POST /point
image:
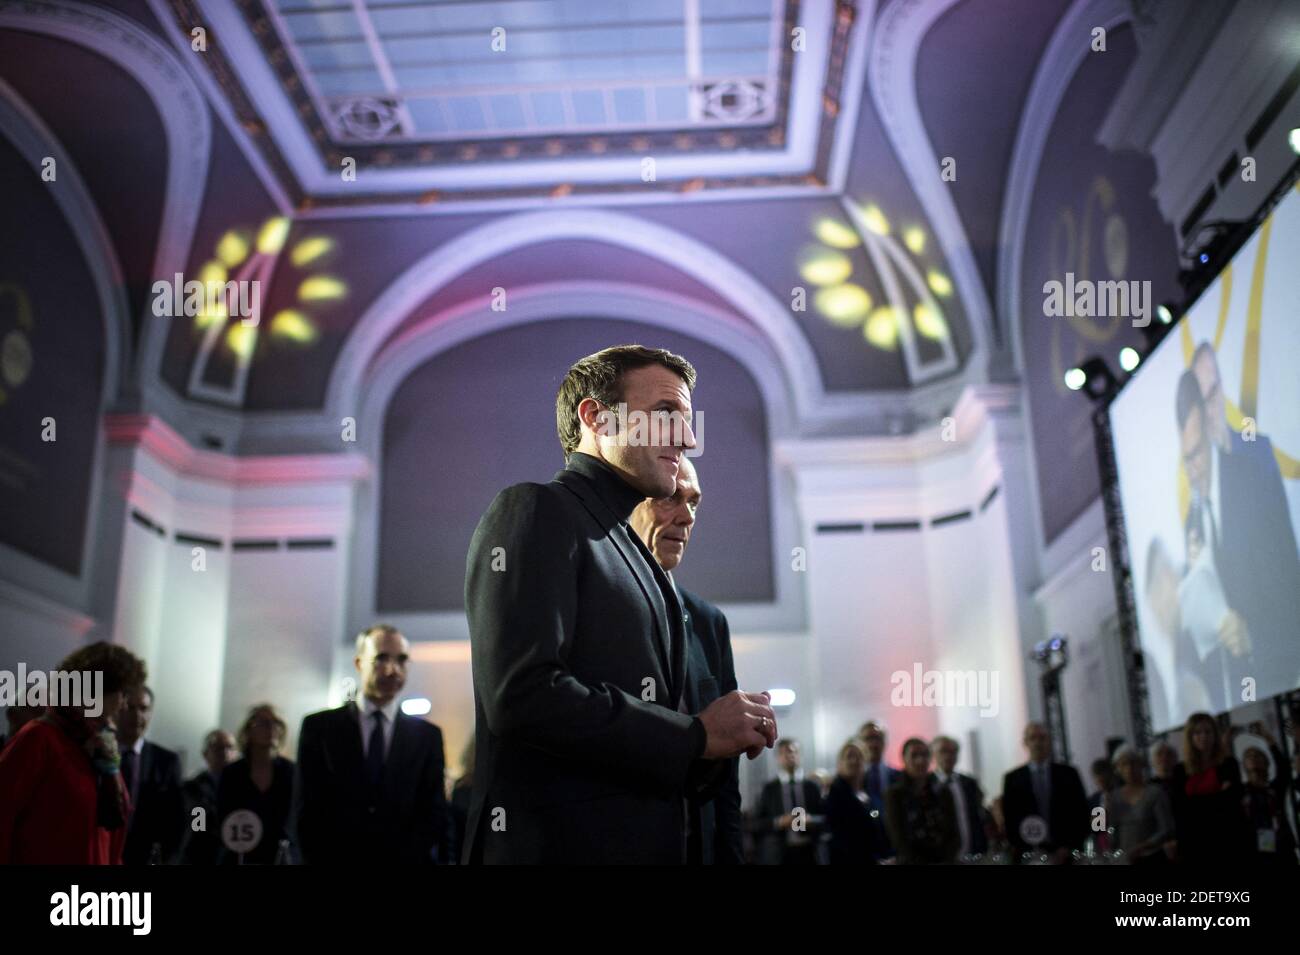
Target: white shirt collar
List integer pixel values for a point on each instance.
(366, 706)
(138, 746)
(785, 777)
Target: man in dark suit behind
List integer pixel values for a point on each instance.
(203, 847)
(370, 786)
(1050, 791)
(664, 525)
(152, 775)
(968, 798)
(1250, 534)
(878, 776)
(585, 753)
(790, 814)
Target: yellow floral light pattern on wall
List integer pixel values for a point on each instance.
(248, 255)
(914, 291)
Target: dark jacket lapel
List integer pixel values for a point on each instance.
(611, 523)
(348, 730)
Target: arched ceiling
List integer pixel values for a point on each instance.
(797, 179)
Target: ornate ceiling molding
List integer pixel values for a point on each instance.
(307, 160)
(152, 434)
(902, 27)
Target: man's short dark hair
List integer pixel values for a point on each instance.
(1188, 399)
(122, 669)
(600, 376)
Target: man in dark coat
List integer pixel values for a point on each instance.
(370, 785)
(664, 525)
(585, 751)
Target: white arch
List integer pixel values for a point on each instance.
(1065, 53)
(185, 120)
(564, 300)
(499, 236)
(894, 49)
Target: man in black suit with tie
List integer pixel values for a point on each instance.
(152, 775)
(664, 525)
(790, 813)
(878, 777)
(204, 847)
(968, 798)
(369, 787)
(1251, 536)
(1051, 792)
(584, 751)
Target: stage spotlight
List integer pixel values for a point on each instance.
(1093, 376)
(418, 706)
(1293, 138)
(1165, 313)
(1129, 358)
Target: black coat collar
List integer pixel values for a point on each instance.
(620, 497)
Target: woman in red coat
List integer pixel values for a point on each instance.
(62, 801)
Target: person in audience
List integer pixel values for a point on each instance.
(16, 717)
(1207, 796)
(999, 844)
(967, 797)
(152, 775)
(203, 846)
(713, 820)
(1269, 837)
(262, 783)
(879, 777)
(1104, 778)
(850, 813)
(62, 800)
(790, 813)
(371, 788)
(920, 813)
(1049, 792)
(458, 804)
(1139, 812)
(1164, 760)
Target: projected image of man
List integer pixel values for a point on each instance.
(1256, 554)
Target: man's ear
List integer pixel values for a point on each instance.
(596, 418)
